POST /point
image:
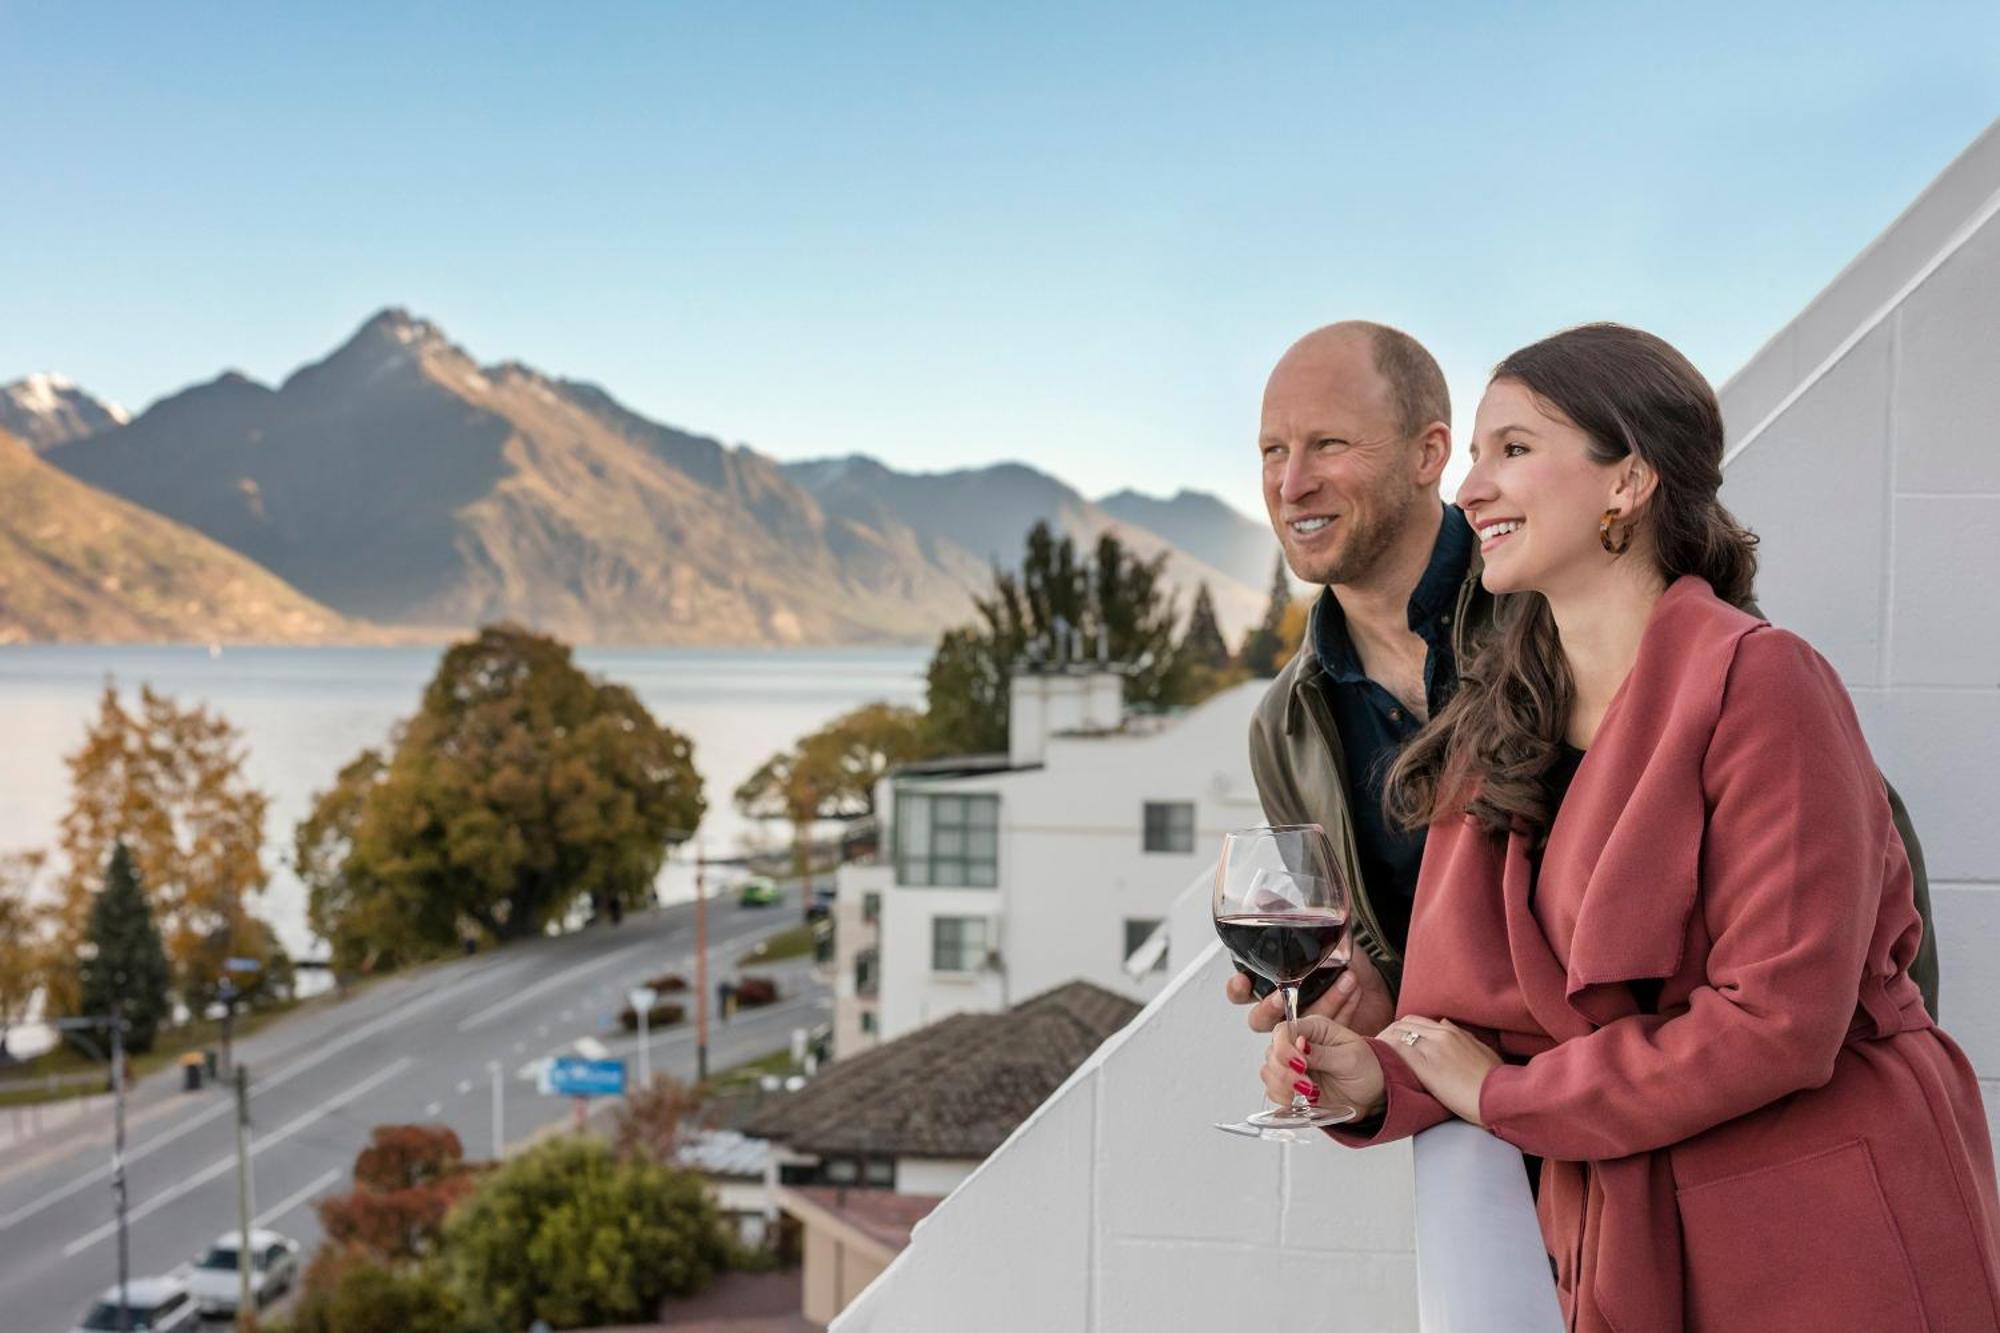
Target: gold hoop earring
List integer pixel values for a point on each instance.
(1624, 541)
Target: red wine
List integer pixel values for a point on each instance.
(1285, 946)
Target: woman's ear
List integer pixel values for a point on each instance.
(1634, 487)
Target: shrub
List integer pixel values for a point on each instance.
(667, 983)
(754, 991)
(569, 1234)
(347, 1291)
(659, 1016)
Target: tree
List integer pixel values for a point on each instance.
(1263, 646)
(652, 1120)
(23, 941)
(568, 1233)
(347, 1290)
(520, 787)
(832, 773)
(1135, 613)
(1203, 644)
(405, 1182)
(168, 782)
(124, 961)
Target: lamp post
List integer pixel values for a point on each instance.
(73, 1030)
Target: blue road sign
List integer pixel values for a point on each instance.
(571, 1076)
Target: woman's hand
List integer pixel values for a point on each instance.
(1334, 1062)
(1451, 1061)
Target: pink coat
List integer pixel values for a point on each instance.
(1787, 1143)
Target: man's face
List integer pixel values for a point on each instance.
(1339, 478)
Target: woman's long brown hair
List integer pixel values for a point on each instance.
(1487, 753)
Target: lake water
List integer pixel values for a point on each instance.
(304, 712)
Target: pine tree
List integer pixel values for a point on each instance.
(1203, 644)
(1263, 646)
(126, 962)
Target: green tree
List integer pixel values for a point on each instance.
(168, 782)
(1133, 610)
(1203, 644)
(569, 1233)
(1263, 647)
(24, 953)
(124, 961)
(832, 773)
(521, 786)
(348, 1290)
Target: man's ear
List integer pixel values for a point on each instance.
(1433, 451)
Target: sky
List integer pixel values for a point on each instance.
(1074, 235)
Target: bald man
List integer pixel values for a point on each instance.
(1355, 435)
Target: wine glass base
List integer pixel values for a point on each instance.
(1295, 1118)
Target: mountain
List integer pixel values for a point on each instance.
(1204, 527)
(987, 511)
(48, 410)
(400, 481)
(79, 565)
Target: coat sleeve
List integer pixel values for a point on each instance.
(1410, 1108)
(1792, 876)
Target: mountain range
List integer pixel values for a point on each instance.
(401, 483)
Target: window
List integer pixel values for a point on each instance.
(958, 943)
(1170, 826)
(871, 907)
(948, 841)
(867, 1022)
(867, 971)
(1137, 929)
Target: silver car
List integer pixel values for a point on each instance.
(274, 1266)
(152, 1304)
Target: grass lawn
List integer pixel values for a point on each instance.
(792, 942)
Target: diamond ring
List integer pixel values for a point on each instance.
(1412, 1037)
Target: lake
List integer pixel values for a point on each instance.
(304, 712)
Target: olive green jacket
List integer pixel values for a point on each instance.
(1300, 769)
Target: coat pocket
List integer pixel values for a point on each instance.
(1805, 1244)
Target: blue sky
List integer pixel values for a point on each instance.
(1075, 235)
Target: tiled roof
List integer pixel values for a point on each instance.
(954, 1089)
(886, 1218)
(723, 1152)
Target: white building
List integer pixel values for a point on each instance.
(1865, 448)
(1006, 876)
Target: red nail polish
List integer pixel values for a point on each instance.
(1305, 1047)
(1305, 1089)
(1298, 1066)
(1313, 1096)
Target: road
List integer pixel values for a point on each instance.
(407, 1049)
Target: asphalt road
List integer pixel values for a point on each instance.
(407, 1049)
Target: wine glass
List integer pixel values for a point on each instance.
(1281, 908)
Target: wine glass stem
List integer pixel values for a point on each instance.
(1299, 1102)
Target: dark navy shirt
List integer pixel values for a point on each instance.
(1374, 724)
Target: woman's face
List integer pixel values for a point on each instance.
(1535, 495)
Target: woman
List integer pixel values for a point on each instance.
(1689, 994)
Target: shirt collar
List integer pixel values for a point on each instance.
(1430, 602)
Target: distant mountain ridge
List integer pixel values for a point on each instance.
(48, 410)
(398, 480)
(1206, 528)
(77, 565)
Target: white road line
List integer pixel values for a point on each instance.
(226, 1164)
(310, 1192)
(464, 1086)
(433, 1109)
(546, 984)
(258, 1087)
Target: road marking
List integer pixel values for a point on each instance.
(433, 1109)
(224, 1106)
(464, 1086)
(223, 1165)
(546, 984)
(276, 1211)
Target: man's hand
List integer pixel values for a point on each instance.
(1359, 1001)
(1338, 1066)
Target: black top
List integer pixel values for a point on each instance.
(1374, 725)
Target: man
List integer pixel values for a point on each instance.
(1354, 438)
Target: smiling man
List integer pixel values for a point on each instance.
(1355, 435)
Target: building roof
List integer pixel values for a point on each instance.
(881, 1216)
(723, 1152)
(954, 1089)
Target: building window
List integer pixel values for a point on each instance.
(1137, 930)
(867, 971)
(958, 943)
(1170, 826)
(867, 1022)
(948, 841)
(871, 907)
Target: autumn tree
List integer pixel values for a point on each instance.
(832, 773)
(168, 782)
(123, 964)
(405, 1181)
(23, 940)
(1263, 647)
(652, 1121)
(521, 786)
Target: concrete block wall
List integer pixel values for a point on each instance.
(1118, 1208)
(1865, 449)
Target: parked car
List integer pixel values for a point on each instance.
(154, 1304)
(758, 892)
(274, 1267)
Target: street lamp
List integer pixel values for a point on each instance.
(73, 1030)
